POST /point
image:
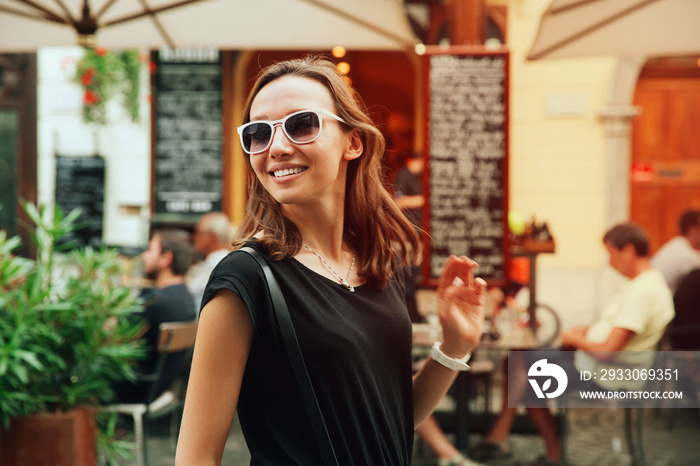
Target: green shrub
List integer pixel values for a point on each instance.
(65, 331)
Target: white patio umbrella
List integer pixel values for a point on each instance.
(227, 24)
(577, 28)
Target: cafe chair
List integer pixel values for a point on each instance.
(173, 337)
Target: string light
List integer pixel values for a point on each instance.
(338, 51)
(343, 67)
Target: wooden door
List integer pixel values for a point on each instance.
(665, 171)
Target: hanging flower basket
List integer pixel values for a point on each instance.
(103, 74)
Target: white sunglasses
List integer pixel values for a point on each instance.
(300, 127)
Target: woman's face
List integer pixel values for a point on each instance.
(316, 171)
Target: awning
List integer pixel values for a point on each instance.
(646, 28)
(26, 25)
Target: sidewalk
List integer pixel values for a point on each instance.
(596, 439)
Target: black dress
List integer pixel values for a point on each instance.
(357, 348)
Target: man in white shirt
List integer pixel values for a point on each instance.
(680, 255)
(212, 239)
(634, 320)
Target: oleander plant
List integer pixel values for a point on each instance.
(65, 331)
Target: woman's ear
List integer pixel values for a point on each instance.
(355, 147)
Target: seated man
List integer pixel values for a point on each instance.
(166, 260)
(634, 320)
(684, 330)
(680, 255)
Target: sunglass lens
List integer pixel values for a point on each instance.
(303, 127)
(256, 137)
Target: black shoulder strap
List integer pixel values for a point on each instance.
(296, 359)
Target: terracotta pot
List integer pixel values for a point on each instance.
(56, 439)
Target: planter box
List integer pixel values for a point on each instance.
(63, 439)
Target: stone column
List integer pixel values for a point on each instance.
(617, 116)
(617, 122)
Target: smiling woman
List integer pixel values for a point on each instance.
(335, 241)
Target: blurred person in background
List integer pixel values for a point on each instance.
(400, 143)
(166, 261)
(684, 330)
(634, 320)
(680, 255)
(212, 239)
(408, 192)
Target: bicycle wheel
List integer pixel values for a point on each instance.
(547, 324)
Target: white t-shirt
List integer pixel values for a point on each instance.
(200, 277)
(643, 305)
(675, 260)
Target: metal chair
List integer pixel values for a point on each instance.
(173, 337)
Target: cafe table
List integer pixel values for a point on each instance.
(424, 335)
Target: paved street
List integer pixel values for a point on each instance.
(596, 439)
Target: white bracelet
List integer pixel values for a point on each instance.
(454, 364)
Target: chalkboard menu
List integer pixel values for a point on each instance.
(188, 132)
(80, 183)
(467, 164)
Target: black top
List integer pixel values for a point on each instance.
(357, 349)
(684, 329)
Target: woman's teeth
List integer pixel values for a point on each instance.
(288, 171)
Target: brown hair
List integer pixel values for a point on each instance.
(628, 233)
(179, 243)
(689, 219)
(375, 227)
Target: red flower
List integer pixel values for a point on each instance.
(86, 78)
(101, 51)
(90, 98)
(152, 67)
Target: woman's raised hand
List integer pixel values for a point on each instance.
(460, 306)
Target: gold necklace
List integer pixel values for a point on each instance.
(343, 281)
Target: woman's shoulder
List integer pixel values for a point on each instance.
(237, 258)
(239, 267)
(240, 273)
